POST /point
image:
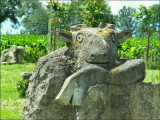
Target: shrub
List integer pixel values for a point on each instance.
(22, 86)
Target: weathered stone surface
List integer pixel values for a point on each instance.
(45, 83)
(76, 85)
(138, 101)
(13, 54)
(26, 75)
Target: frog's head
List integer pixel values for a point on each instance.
(94, 45)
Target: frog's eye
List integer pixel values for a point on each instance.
(80, 37)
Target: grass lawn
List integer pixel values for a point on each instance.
(152, 76)
(12, 104)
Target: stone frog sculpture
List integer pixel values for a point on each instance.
(65, 75)
(95, 56)
(13, 54)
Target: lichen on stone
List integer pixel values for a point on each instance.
(107, 32)
(100, 31)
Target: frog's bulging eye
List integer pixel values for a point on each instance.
(80, 37)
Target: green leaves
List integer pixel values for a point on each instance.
(22, 86)
(35, 19)
(94, 12)
(134, 48)
(126, 19)
(9, 10)
(145, 15)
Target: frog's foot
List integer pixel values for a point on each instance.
(129, 72)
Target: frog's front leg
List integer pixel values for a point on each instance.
(131, 71)
(75, 86)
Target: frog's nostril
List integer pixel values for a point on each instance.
(92, 55)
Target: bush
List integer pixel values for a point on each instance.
(22, 86)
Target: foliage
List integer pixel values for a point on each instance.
(9, 10)
(36, 23)
(136, 47)
(126, 19)
(35, 19)
(75, 12)
(145, 17)
(65, 14)
(95, 11)
(58, 14)
(11, 103)
(22, 86)
(156, 17)
(140, 21)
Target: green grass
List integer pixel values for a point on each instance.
(12, 104)
(152, 76)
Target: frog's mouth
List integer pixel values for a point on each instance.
(94, 62)
(116, 62)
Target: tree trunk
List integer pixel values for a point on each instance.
(55, 37)
(148, 45)
(51, 42)
(107, 19)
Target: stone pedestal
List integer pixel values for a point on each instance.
(109, 102)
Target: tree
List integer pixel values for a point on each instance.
(9, 10)
(95, 11)
(34, 17)
(75, 11)
(58, 13)
(156, 17)
(145, 17)
(126, 19)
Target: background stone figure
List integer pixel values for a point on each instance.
(13, 54)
